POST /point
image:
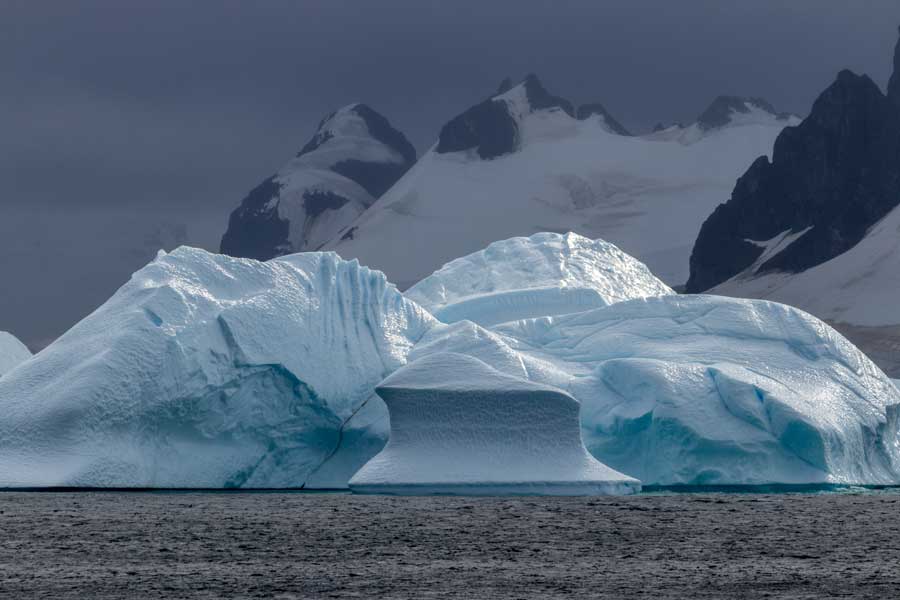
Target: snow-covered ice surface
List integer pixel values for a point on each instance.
(12, 352)
(857, 292)
(208, 371)
(705, 389)
(459, 426)
(646, 194)
(542, 275)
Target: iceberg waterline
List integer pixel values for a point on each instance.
(209, 371)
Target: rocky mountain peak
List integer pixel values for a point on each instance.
(595, 108)
(722, 110)
(830, 179)
(893, 90)
(354, 156)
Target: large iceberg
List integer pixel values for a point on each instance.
(705, 389)
(209, 371)
(460, 427)
(542, 275)
(12, 352)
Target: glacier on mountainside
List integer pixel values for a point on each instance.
(12, 352)
(542, 275)
(705, 389)
(537, 167)
(208, 371)
(460, 427)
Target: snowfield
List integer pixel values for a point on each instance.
(460, 427)
(12, 352)
(648, 194)
(208, 371)
(860, 286)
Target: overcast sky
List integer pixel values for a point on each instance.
(126, 125)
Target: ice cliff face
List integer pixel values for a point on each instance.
(705, 389)
(353, 158)
(12, 352)
(460, 427)
(208, 371)
(545, 274)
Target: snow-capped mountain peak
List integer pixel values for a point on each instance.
(506, 122)
(726, 110)
(523, 161)
(352, 159)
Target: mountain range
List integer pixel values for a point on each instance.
(745, 201)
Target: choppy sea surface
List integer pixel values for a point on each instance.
(816, 542)
(654, 490)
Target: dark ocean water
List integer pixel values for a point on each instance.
(700, 544)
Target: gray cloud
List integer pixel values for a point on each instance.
(126, 122)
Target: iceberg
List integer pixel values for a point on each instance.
(460, 427)
(209, 371)
(12, 352)
(705, 390)
(542, 275)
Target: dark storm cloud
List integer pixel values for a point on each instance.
(124, 123)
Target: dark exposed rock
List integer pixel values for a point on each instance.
(317, 202)
(256, 229)
(718, 114)
(488, 127)
(586, 110)
(659, 127)
(834, 175)
(319, 137)
(504, 86)
(539, 98)
(375, 178)
(381, 129)
(893, 90)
